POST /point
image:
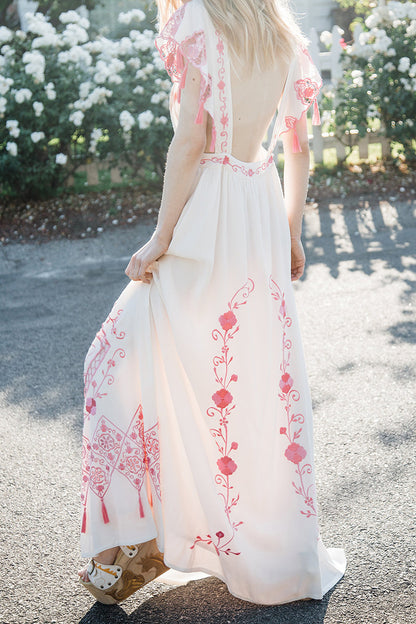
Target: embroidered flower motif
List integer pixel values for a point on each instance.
(227, 465)
(228, 320)
(224, 405)
(91, 406)
(306, 90)
(222, 398)
(290, 122)
(286, 383)
(295, 453)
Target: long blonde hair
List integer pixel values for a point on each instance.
(256, 31)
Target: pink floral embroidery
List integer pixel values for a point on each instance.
(222, 94)
(295, 452)
(290, 122)
(95, 358)
(224, 404)
(225, 160)
(176, 56)
(130, 453)
(306, 90)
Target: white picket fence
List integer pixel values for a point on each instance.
(329, 65)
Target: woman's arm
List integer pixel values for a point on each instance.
(182, 163)
(296, 177)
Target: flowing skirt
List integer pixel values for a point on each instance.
(198, 416)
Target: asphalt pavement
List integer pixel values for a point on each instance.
(356, 304)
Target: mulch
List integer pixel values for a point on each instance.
(82, 215)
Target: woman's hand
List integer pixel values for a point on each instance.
(297, 259)
(139, 268)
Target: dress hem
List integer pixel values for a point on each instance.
(245, 598)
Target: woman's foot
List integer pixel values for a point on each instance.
(106, 557)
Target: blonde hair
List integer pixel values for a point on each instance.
(256, 31)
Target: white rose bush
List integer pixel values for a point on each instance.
(66, 98)
(378, 88)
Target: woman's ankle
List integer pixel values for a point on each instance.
(107, 557)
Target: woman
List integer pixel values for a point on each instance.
(198, 423)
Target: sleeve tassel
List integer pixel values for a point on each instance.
(104, 512)
(316, 119)
(199, 117)
(296, 145)
(84, 521)
(141, 507)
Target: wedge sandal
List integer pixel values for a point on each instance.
(134, 567)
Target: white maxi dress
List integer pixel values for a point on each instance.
(198, 419)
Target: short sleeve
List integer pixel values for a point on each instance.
(301, 91)
(183, 41)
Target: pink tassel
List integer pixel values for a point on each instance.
(316, 119)
(296, 145)
(104, 512)
(84, 521)
(199, 117)
(141, 507)
(183, 78)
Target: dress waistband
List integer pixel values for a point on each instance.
(248, 169)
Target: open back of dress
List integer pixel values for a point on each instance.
(198, 417)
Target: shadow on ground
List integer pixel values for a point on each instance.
(207, 601)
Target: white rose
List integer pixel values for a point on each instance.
(5, 84)
(84, 89)
(49, 40)
(5, 34)
(21, 35)
(50, 91)
(12, 126)
(22, 95)
(11, 147)
(411, 30)
(162, 120)
(3, 105)
(129, 16)
(372, 21)
(38, 24)
(37, 136)
(76, 117)
(115, 79)
(134, 62)
(38, 108)
(61, 159)
(145, 119)
(74, 34)
(139, 89)
(126, 120)
(404, 64)
(326, 38)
